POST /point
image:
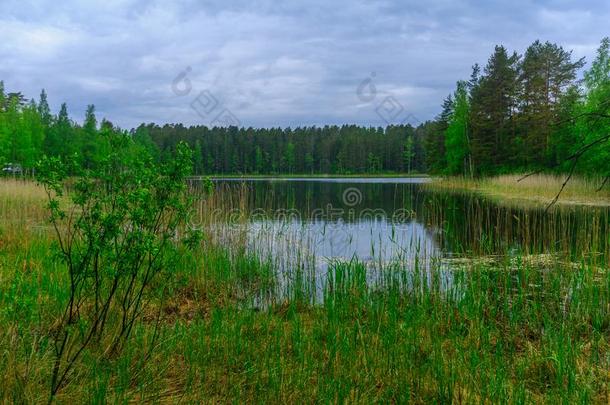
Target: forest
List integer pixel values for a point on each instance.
(520, 112)
(525, 112)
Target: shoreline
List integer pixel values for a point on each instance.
(539, 190)
(311, 176)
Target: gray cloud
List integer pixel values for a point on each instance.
(271, 63)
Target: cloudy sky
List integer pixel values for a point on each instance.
(271, 63)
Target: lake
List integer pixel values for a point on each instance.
(304, 224)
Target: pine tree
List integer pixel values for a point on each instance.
(198, 158)
(434, 143)
(43, 109)
(59, 141)
(493, 100)
(547, 71)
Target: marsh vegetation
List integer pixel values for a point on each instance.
(463, 300)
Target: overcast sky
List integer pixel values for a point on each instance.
(271, 63)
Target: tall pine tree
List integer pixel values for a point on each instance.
(493, 105)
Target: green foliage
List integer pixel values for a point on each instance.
(117, 232)
(593, 117)
(258, 160)
(493, 101)
(408, 153)
(373, 163)
(28, 131)
(330, 149)
(526, 113)
(456, 136)
(434, 135)
(289, 157)
(546, 73)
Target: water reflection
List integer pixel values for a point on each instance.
(302, 225)
(385, 217)
(365, 240)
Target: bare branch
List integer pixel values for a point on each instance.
(574, 158)
(603, 184)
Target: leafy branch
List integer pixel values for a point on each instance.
(116, 237)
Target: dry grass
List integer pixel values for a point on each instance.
(541, 188)
(21, 199)
(23, 212)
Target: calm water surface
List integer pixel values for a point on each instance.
(307, 223)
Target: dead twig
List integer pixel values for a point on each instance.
(574, 158)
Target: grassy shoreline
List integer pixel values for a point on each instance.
(494, 336)
(312, 176)
(539, 189)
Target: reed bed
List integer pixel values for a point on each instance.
(470, 226)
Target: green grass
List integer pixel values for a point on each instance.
(502, 333)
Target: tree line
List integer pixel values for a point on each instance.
(518, 113)
(29, 131)
(525, 112)
(346, 149)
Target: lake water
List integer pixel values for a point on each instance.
(307, 223)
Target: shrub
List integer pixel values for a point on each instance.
(117, 233)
